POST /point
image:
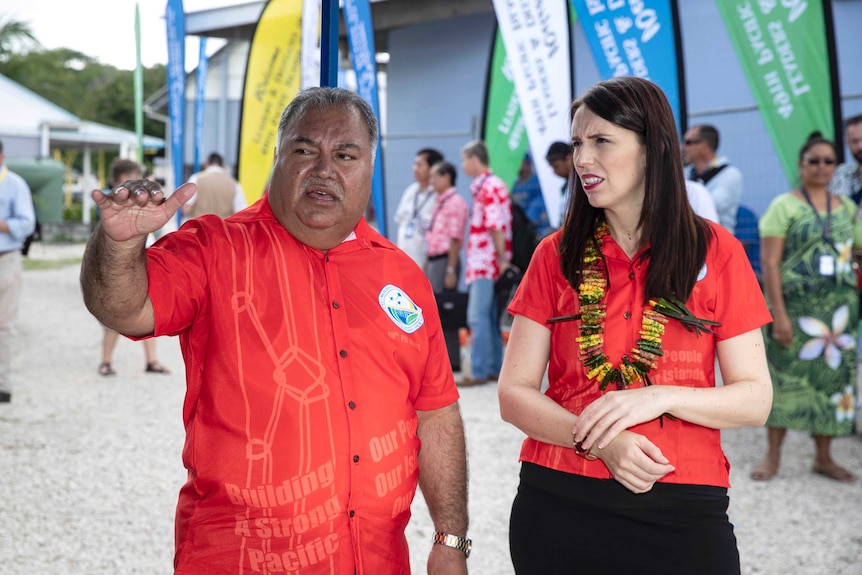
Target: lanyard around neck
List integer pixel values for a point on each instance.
(827, 225)
(439, 207)
(416, 205)
(3, 173)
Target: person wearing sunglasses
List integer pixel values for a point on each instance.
(807, 239)
(723, 180)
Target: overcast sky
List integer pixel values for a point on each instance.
(105, 29)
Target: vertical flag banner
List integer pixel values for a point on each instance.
(360, 37)
(503, 129)
(272, 79)
(139, 87)
(176, 70)
(536, 37)
(310, 43)
(638, 39)
(200, 100)
(787, 52)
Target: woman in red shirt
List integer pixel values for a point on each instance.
(627, 307)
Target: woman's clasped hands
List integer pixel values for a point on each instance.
(633, 460)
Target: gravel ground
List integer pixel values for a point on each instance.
(90, 466)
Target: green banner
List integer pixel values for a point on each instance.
(504, 131)
(784, 51)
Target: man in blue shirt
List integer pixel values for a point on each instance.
(17, 221)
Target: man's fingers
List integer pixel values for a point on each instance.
(180, 196)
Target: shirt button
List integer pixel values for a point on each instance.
(355, 459)
(343, 353)
(352, 513)
(351, 405)
(631, 277)
(335, 304)
(627, 314)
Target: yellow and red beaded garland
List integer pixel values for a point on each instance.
(642, 358)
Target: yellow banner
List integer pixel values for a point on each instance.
(272, 79)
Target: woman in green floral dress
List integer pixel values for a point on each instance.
(807, 241)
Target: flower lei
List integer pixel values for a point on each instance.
(635, 366)
(643, 357)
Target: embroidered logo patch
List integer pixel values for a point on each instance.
(400, 308)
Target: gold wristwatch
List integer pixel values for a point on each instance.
(453, 541)
(585, 453)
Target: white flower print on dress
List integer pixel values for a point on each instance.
(826, 342)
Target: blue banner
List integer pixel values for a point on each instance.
(360, 37)
(176, 69)
(637, 39)
(200, 100)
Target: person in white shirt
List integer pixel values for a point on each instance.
(847, 180)
(416, 207)
(701, 201)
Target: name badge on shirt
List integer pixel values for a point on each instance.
(827, 265)
(410, 229)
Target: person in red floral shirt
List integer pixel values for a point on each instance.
(489, 253)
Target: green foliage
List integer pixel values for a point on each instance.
(34, 264)
(74, 212)
(15, 36)
(83, 86)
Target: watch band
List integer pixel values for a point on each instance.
(585, 453)
(453, 541)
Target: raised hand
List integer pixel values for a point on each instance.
(138, 207)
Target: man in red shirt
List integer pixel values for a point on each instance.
(315, 362)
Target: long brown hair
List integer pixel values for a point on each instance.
(678, 238)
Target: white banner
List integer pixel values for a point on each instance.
(536, 36)
(310, 43)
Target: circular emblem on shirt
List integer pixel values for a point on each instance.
(400, 308)
(702, 273)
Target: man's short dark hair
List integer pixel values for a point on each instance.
(851, 121)
(121, 167)
(1, 146)
(558, 151)
(215, 159)
(445, 169)
(431, 155)
(708, 134)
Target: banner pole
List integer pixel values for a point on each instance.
(329, 43)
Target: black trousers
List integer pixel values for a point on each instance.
(567, 524)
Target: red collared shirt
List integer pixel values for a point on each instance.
(305, 371)
(447, 222)
(726, 291)
(492, 210)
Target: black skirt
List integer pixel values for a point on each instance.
(563, 523)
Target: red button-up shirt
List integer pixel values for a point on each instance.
(726, 291)
(305, 370)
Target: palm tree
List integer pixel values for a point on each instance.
(15, 34)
